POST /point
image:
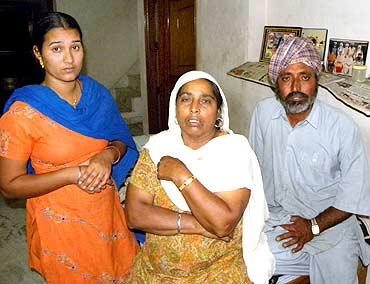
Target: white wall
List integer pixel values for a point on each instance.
(222, 43)
(343, 19)
(110, 35)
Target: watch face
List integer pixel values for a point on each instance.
(315, 229)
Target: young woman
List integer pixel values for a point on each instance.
(68, 131)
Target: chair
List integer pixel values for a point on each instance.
(304, 279)
(301, 280)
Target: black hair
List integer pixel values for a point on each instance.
(215, 90)
(50, 21)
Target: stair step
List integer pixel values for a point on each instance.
(127, 92)
(132, 117)
(137, 104)
(136, 129)
(134, 81)
(134, 122)
(124, 103)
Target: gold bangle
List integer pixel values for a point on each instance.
(187, 182)
(116, 149)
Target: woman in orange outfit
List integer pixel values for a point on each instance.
(65, 147)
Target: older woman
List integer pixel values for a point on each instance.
(76, 228)
(196, 190)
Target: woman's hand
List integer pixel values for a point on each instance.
(95, 175)
(170, 168)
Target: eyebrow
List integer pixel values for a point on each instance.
(300, 73)
(57, 42)
(203, 95)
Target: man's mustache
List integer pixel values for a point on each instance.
(294, 95)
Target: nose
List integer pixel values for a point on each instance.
(296, 85)
(68, 57)
(194, 106)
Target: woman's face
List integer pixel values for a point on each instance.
(62, 54)
(196, 111)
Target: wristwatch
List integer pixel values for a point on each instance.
(315, 227)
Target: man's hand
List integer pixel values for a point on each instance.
(299, 233)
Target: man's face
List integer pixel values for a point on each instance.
(297, 88)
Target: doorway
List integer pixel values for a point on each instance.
(170, 52)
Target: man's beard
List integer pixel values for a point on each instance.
(292, 106)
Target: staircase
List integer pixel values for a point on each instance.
(129, 101)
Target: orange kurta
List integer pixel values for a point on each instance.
(73, 236)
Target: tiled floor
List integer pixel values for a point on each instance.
(13, 248)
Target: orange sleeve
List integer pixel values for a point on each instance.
(16, 139)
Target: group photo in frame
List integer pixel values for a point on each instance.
(272, 36)
(344, 53)
(319, 37)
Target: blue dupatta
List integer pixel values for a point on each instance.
(96, 115)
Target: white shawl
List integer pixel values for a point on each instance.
(225, 163)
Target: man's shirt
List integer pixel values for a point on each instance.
(319, 163)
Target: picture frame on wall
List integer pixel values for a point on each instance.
(272, 36)
(319, 37)
(344, 53)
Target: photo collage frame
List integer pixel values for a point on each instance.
(341, 56)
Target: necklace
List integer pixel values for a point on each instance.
(75, 96)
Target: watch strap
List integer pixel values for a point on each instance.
(315, 227)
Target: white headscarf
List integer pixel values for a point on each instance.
(186, 78)
(225, 163)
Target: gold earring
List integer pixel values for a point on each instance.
(42, 64)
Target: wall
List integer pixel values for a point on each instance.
(230, 33)
(142, 59)
(110, 35)
(221, 32)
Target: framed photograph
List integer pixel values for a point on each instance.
(318, 37)
(344, 53)
(272, 36)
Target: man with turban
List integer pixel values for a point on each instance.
(315, 172)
